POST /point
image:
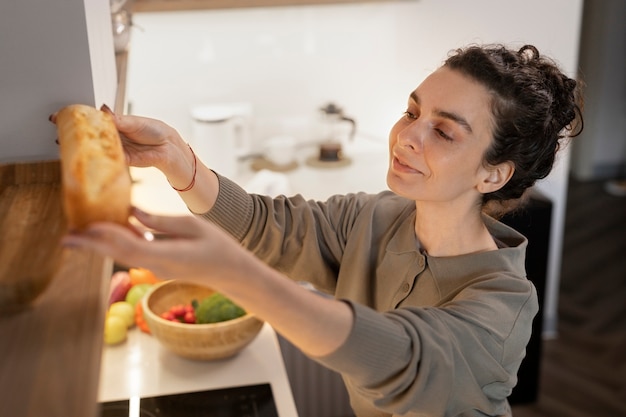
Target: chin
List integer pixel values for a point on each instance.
(395, 184)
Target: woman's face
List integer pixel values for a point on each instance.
(436, 149)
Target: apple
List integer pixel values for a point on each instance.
(115, 330)
(119, 287)
(136, 293)
(124, 310)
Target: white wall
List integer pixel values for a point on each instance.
(288, 61)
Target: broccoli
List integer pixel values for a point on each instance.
(216, 308)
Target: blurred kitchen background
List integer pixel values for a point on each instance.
(286, 62)
(283, 62)
(366, 57)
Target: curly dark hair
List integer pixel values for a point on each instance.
(535, 109)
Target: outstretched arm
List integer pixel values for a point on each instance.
(200, 251)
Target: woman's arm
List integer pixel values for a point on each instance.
(200, 251)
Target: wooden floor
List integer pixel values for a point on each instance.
(583, 370)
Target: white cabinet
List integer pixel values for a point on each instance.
(52, 53)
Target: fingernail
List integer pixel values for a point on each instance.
(68, 242)
(137, 210)
(107, 109)
(91, 232)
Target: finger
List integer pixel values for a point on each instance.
(121, 244)
(130, 250)
(109, 239)
(136, 126)
(182, 226)
(139, 229)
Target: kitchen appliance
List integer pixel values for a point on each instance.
(221, 135)
(336, 130)
(533, 220)
(242, 401)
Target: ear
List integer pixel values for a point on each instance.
(496, 176)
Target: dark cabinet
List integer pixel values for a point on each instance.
(534, 222)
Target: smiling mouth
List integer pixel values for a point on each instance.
(401, 167)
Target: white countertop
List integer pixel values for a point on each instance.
(141, 367)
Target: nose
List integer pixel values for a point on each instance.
(411, 136)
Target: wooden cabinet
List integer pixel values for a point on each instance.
(50, 349)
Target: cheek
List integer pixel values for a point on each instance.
(393, 137)
(394, 132)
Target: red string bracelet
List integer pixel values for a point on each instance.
(193, 179)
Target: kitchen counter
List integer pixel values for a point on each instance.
(141, 367)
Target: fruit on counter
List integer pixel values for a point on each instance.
(140, 321)
(137, 292)
(127, 288)
(119, 286)
(213, 309)
(216, 308)
(142, 276)
(124, 310)
(183, 313)
(115, 330)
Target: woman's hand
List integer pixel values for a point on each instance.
(149, 142)
(191, 249)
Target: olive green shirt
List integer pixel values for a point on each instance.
(432, 336)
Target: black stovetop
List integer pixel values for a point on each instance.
(244, 401)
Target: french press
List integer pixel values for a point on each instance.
(336, 128)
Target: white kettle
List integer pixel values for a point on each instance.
(221, 135)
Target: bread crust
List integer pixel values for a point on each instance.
(95, 178)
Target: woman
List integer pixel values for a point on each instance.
(432, 309)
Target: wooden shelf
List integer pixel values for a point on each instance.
(51, 348)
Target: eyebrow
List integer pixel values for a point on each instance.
(446, 114)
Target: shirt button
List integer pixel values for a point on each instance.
(421, 262)
(406, 287)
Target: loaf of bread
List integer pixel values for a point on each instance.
(95, 178)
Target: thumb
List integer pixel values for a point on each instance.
(123, 123)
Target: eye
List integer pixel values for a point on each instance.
(407, 114)
(443, 134)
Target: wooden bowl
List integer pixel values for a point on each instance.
(195, 341)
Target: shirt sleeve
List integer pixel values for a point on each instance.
(303, 239)
(413, 358)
